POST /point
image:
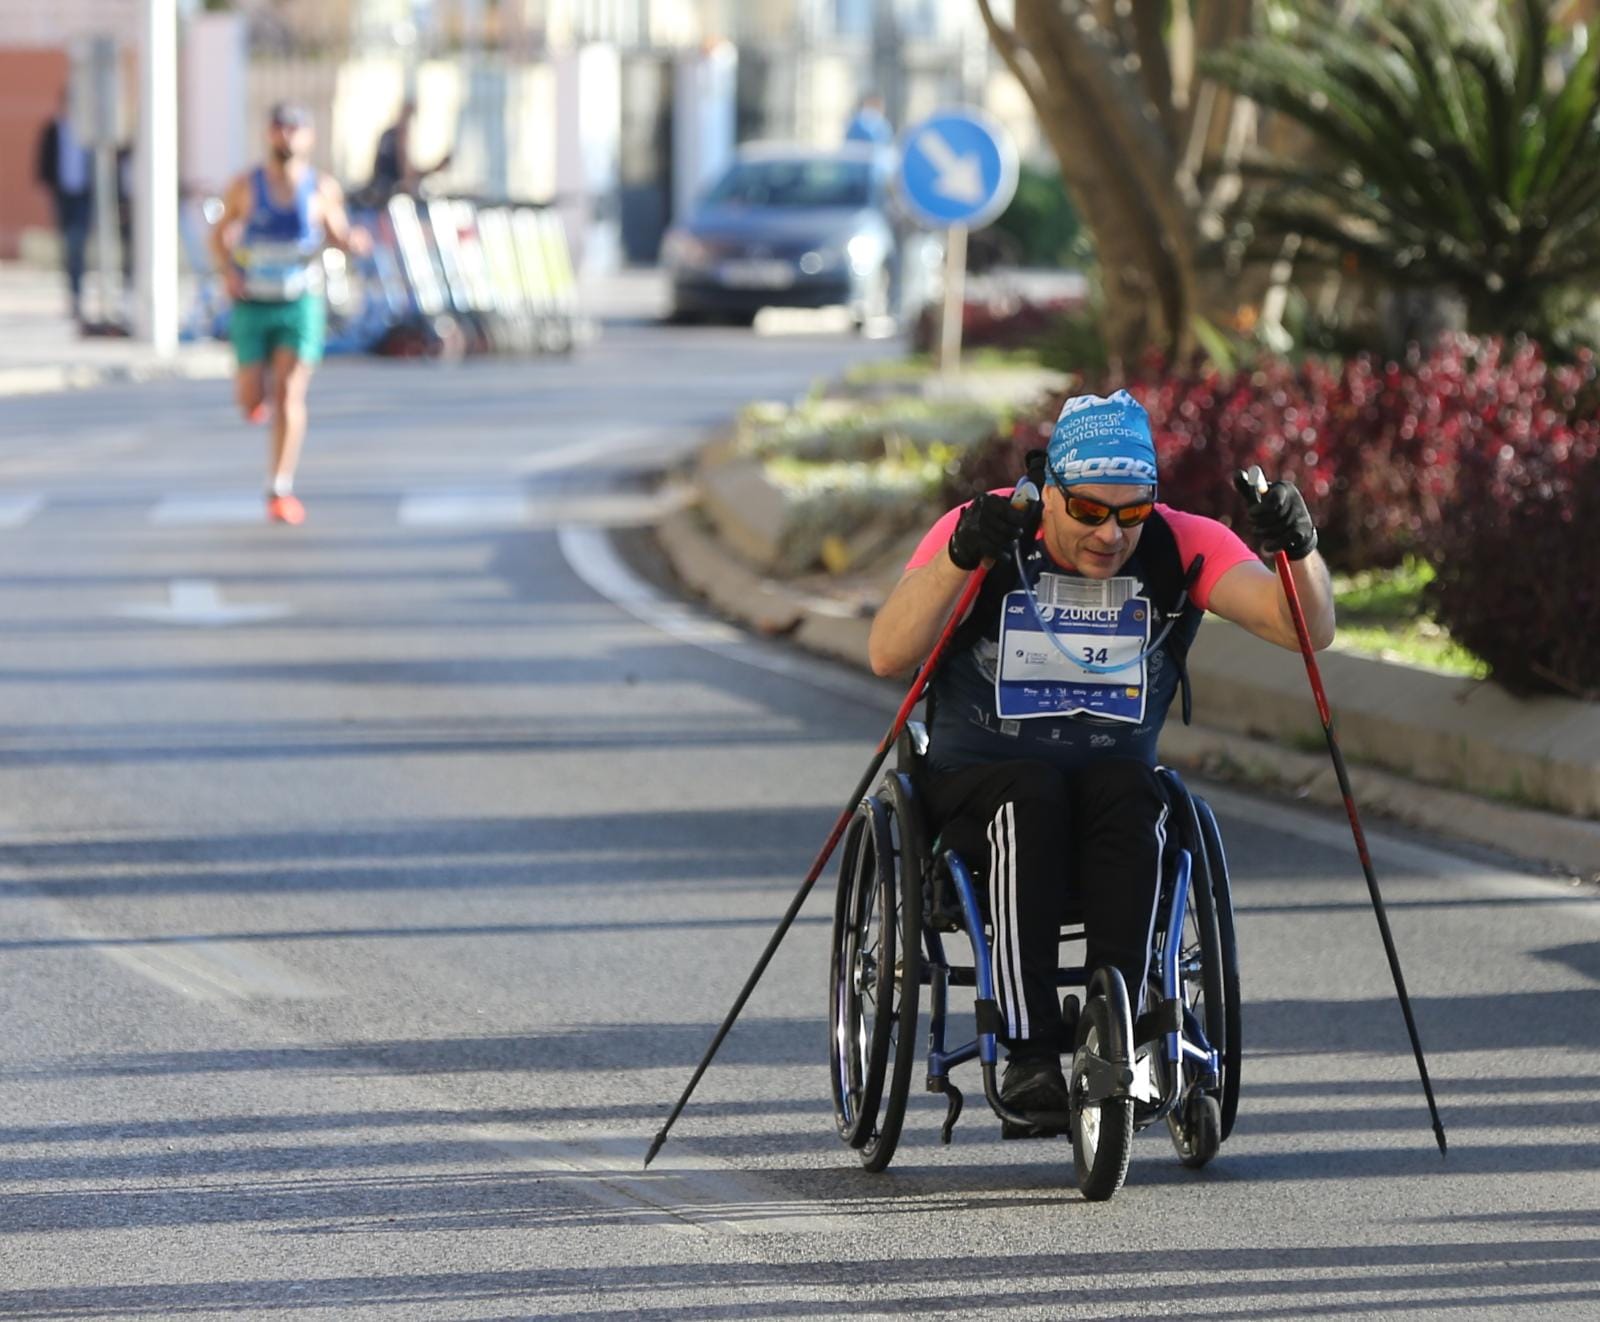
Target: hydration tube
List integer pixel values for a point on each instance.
(1033, 605)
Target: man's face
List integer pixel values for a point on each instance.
(1095, 552)
(288, 142)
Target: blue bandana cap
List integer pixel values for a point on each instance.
(1103, 440)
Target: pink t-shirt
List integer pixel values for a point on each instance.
(1194, 533)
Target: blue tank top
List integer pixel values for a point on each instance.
(281, 247)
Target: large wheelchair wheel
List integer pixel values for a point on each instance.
(1214, 869)
(1102, 1137)
(876, 975)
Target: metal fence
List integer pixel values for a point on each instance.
(447, 276)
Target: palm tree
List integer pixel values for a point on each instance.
(1459, 149)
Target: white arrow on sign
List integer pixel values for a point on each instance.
(960, 178)
(197, 601)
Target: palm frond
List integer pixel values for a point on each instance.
(1456, 157)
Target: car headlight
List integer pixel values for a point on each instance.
(862, 250)
(684, 250)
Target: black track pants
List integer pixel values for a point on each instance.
(1038, 837)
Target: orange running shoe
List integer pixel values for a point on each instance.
(286, 509)
(257, 415)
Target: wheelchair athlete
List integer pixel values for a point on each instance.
(1042, 750)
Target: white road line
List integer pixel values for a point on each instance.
(209, 970)
(198, 601)
(18, 510)
(511, 509)
(590, 555)
(187, 511)
(686, 1191)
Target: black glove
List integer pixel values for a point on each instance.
(1282, 522)
(988, 528)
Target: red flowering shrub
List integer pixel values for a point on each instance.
(1373, 447)
(1004, 321)
(1517, 564)
(1479, 456)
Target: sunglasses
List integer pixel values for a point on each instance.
(1095, 512)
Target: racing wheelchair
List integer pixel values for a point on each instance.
(900, 895)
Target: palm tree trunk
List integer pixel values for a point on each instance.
(1121, 139)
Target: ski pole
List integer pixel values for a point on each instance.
(1026, 493)
(1253, 485)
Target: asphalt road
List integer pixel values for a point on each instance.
(370, 888)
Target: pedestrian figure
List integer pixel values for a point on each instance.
(1043, 728)
(66, 169)
(268, 242)
(869, 123)
(393, 169)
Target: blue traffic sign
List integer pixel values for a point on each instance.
(957, 167)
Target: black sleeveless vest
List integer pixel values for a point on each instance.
(963, 726)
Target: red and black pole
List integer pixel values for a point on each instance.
(1253, 485)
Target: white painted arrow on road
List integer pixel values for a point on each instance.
(197, 601)
(959, 178)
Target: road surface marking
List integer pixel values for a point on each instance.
(197, 601)
(591, 556)
(209, 970)
(186, 511)
(491, 509)
(690, 1191)
(17, 510)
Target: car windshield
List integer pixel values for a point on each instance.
(817, 182)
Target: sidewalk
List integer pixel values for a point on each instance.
(41, 350)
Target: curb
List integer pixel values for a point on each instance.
(704, 565)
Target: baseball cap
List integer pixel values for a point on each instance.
(289, 115)
(1103, 439)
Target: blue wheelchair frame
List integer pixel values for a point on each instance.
(893, 904)
(1177, 1044)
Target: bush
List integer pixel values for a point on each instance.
(1517, 572)
(1481, 458)
(1358, 441)
(840, 430)
(1004, 320)
(1372, 445)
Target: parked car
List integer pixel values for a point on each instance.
(789, 226)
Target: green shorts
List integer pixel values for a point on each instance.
(260, 329)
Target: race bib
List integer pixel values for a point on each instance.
(278, 272)
(1099, 667)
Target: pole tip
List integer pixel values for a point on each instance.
(654, 1148)
(1438, 1133)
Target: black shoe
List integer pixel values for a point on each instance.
(1034, 1087)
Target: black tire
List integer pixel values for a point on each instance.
(1102, 1134)
(1231, 1049)
(853, 1050)
(874, 983)
(1201, 1130)
(906, 836)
